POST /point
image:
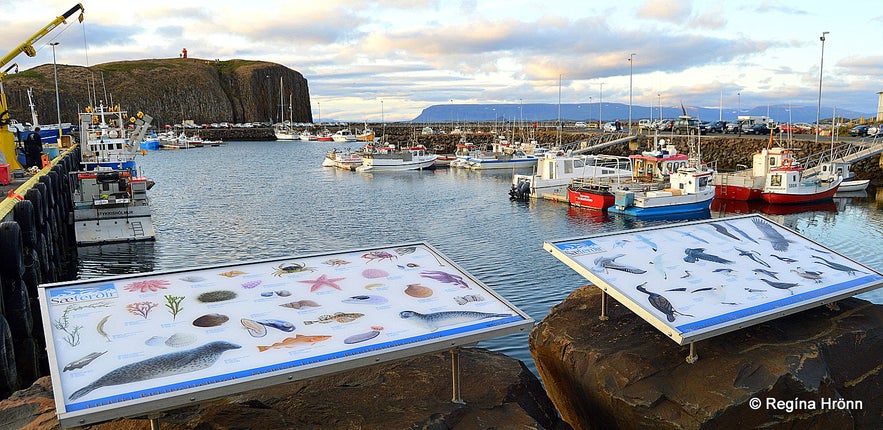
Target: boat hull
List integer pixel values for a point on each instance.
(849, 186)
(479, 164)
(599, 199)
(113, 224)
(794, 198)
(394, 165)
(674, 209)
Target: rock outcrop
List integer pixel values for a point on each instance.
(170, 90)
(413, 393)
(624, 374)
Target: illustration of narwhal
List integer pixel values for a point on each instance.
(173, 363)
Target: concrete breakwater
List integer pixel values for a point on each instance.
(37, 245)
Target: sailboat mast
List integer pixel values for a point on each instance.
(281, 103)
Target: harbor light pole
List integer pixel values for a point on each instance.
(57, 100)
(630, 91)
(659, 97)
(600, 102)
(819, 108)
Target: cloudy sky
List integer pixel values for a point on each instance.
(367, 58)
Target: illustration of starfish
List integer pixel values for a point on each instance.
(323, 280)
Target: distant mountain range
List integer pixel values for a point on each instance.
(448, 113)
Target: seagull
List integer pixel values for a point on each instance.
(809, 274)
(781, 285)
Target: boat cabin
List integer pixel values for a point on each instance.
(770, 158)
(658, 165)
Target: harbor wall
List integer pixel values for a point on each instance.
(37, 245)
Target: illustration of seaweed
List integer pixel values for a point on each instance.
(72, 330)
(141, 308)
(174, 304)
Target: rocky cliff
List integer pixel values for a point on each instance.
(170, 90)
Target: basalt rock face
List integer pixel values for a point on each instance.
(414, 393)
(624, 374)
(170, 90)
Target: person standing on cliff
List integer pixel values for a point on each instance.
(34, 148)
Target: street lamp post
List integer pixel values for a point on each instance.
(57, 100)
(821, 66)
(600, 102)
(630, 92)
(659, 97)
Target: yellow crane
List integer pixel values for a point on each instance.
(7, 139)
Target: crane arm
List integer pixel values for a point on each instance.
(28, 46)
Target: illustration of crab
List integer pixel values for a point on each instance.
(379, 256)
(285, 269)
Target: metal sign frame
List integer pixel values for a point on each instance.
(700, 279)
(137, 344)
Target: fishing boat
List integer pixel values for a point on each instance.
(591, 193)
(110, 201)
(686, 190)
(306, 136)
(556, 172)
(343, 135)
(48, 132)
(325, 136)
(366, 135)
(346, 159)
(786, 185)
(747, 184)
(111, 205)
(842, 168)
(387, 158)
(500, 157)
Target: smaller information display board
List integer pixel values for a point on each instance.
(131, 345)
(700, 279)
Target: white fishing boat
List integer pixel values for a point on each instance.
(306, 135)
(343, 136)
(345, 159)
(555, 173)
(387, 158)
(501, 157)
(111, 205)
(106, 139)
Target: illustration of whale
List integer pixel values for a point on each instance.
(173, 363)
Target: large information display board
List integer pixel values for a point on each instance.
(700, 279)
(131, 345)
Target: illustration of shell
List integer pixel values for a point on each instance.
(192, 278)
(418, 291)
(83, 362)
(216, 296)
(374, 273)
(462, 300)
(372, 286)
(361, 337)
(232, 273)
(300, 304)
(179, 340)
(251, 284)
(211, 320)
(267, 294)
(155, 341)
(258, 328)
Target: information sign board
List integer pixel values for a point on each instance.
(700, 279)
(131, 345)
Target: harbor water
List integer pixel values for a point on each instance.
(256, 200)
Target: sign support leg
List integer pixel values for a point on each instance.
(693, 357)
(603, 316)
(154, 423)
(455, 376)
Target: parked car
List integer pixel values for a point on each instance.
(610, 127)
(665, 125)
(733, 127)
(759, 129)
(875, 130)
(685, 126)
(859, 131)
(717, 126)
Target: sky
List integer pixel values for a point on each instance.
(372, 60)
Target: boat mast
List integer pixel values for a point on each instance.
(281, 104)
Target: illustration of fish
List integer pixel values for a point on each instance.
(83, 362)
(173, 363)
(290, 342)
(258, 328)
(696, 254)
(366, 300)
(692, 236)
(741, 233)
(661, 303)
(781, 285)
(462, 300)
(754, 255)
(776, 239)
(723, 230)
(837, 266)
(361, 337)
(809, 274)
(192, 278)
(337, 317)
(769, 273)
(433, 321)
(785, 259)
(647, 242)
(448, 278)
(608, 263)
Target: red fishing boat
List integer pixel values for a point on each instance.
(786, 185)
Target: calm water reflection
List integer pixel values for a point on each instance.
(253, 200)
